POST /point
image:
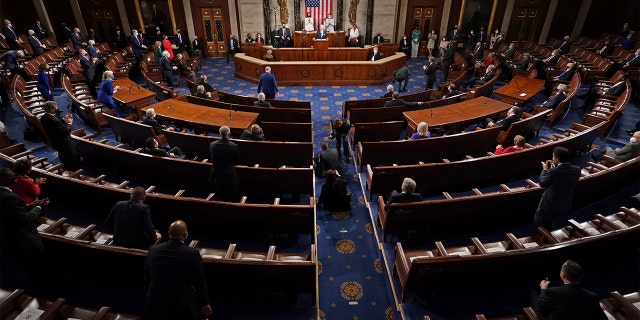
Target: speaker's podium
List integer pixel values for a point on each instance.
(303, 38)
(320, 44)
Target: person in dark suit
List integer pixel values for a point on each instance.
(233, 47)
(340, 129)
(628, 152)
(489, 74)
(136, 45)
(268, 84)
(430, 71)
(10, 34)
(447, 59)
(131, 222)
(36, 45)
(40, 30)
(513, 115)
(497, 44)
(395, 101)
(405, 46)
(224, 156)
(402, 75)
(557, 98)
(203, 82)
(407, 194)
(254, 134)
(566, 75)
(510, 52)
(482, 36)
(328, 159)
(285, 36)
(58, 131)
(174, 280)
(88, 65)
(558, 178)
(454, 33)
(118, 37)
(196, 46)
(478, 51)
(92, 35)
(389, 92)
(180, 40)
(569, 301)
(259, 39)
(526, 60)
(606, 49)
(592, 95)
(11, 60)
(44, 86)
(378, 39)
(261, 101)
(151, 147)
(451, 91)
(321, 34)
(76, 39)
(150, 120)
(334, 196)
(158, 18)
(632, 63)
(565, 45)
(550, 61)
(166, 68)
(374, 55)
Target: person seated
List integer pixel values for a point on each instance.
(27, 188)
(327, 159)
(207, 86)
(518, 144)
(254, 134)
(334, 195)
(395, 101)
(261, 101)
(632, 63)
(389, 92)
(259, 38)
(596, 92)
(555, 99)
(151, 147)
(249, 39)
(402, 75)
(374, 55)
(407, 194)
(526, 60)
(185, 71)
(422, 132)
(490, 59)
(565, 76)
(513, 115)
(478, 51)
(628, 152)
(149, 119)
(510, 52)
(628, 42)
(269, 56)
(565, 45)
(606, 49)
(551, 59)
(201, 93)
(451, 91)
(489, 74)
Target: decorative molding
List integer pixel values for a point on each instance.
(339, 16)
(297, 20)
(369, 33)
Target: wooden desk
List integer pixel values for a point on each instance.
(303, 36)
(519, 90)
(455, 116)
(203, 118)
(132, 95)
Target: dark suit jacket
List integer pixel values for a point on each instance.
(248, 135)
(57, 131)
(334, 197)
(497, 44)
(174, 282)
(181, 42)
(401, 74)
(454, 34)
(506, 122)
(88, 68)
(478, 53)
(11, 36)
(606, 50)
(524, 64)
(328, 159)
(76, 39)
(389, 94)
(566, 75)
(36, 46)
(131, 224)
(553, 59)
(449, 55)
(267, 84)
(40, 30)
(378, 39)
(430, 72)
(119, 39)
(617, 89)
(166, 68)
(320, 34)
(377, 56)
(136, 46)
(569, 302)
(262, 103)
(224, 156)
(509, 53)
(10, 59)
(402, 198)
(554, 101)
(558, 184)
(404, 46)
(18, 233)
(235, 46)
(634, 62)
(399, 102)
(157, 127)
(564, 47)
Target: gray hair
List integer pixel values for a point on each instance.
(150, 112)
(390, 88)
(224, 132)
(422, 128)
(107, 75)
(408, 185)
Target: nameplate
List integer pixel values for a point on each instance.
(30, 314)
(523, 94)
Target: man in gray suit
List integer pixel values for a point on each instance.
(628, 152)
(558, 178)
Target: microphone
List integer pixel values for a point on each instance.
(516, 81)
(430, 111)
(230, 107)
(131, 86)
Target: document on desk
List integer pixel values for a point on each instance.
(523, 94)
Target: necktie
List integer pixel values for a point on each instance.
(38, 41)
(137, 39)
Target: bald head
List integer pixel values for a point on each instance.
(178, 230)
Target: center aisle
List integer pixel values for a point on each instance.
(353, 279)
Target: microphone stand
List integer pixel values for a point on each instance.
(230, 107)
(131, 86)
(517, 86)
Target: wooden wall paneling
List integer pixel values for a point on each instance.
(527, 20)
(212, 48)
(427, 16)
(59, 11)
(102, 17)
(564, 18)
(610, 15)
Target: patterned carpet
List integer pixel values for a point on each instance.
(354, 279)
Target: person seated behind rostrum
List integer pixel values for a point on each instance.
(422, 132)
(261, 101)
(269, 56)
(152, 149)
(407, 194)
(254, 134)
(518, 144)
(334, 195)
(327, 159)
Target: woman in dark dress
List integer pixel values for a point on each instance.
(333, 196)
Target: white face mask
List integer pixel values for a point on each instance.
(632, 139)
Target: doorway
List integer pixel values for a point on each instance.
(425, 20)
(215, 35)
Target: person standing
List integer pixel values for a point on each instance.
(329, 23)
(285, 36)
(404, 46)
(174, 281)
(105, 96)
(224, 156)
(340, 129)
(10, 34)
(569, 301)
(431, 43)
(180, 40)
(416, 35)
(233, 47)
(268, 84)
(44, 86)
(447, 59)
(308, 22)
(88, 65)
(430, 71)
(136, 45)
(558, 178)
(58, 131)
(36, 45)
(131, 222)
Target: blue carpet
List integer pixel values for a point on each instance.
(354, 280)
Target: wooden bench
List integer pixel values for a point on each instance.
(132, 132)
(607, 110)
(86, 106)
(264, 153)
(473, 267)
(243, 100)
(350, 105)
(487, 209)
(528, 127)
(376, 131)
(287, 131)
(433, 178)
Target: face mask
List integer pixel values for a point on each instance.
(632, 140)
